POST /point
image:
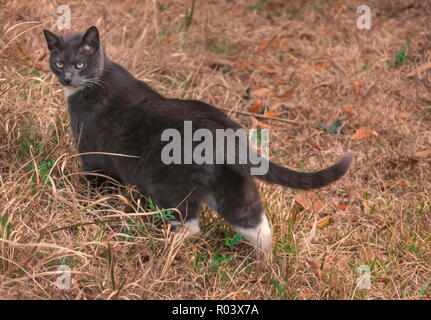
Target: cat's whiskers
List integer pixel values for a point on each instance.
(92, 82)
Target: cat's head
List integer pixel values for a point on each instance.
(76, 59)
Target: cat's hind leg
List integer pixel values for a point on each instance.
(237, 200)
(189, 218)
(259, 235)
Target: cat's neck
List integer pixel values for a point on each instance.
(114, 82)
(123, 83)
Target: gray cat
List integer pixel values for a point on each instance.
(113, 112)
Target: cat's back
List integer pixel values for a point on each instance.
(131, 103)
(201, 114)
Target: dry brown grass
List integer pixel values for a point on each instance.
(379, 213)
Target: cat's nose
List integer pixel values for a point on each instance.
(67, 77)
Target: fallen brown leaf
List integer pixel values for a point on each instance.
(377, 121)
(361, 133)
(235, 12)
(244, 64)
(319, 67)
(357, 84)
(316, 132)
(401, 183)
(306, 36)
(231, 57)
(337, 6)
(323, 222)
(262, 47)
(257, 86)
(341, 207)
(167, 39)
(270, 113)
(280, 42)
(285, 96)
(404, 115)
(255, 106)
(423, 154)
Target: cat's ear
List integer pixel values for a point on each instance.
(90, 41)
(53, 41)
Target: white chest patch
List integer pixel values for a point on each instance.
(69, 90)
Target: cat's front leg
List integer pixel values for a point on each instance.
(92, 171)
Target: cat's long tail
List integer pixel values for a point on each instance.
(306, 180)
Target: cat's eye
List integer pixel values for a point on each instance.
(59, 65)
(79, 65)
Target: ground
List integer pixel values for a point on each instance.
(300, 68)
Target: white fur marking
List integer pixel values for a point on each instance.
(260, 236)
(174, 223)
(193, 226)
(69, 90)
